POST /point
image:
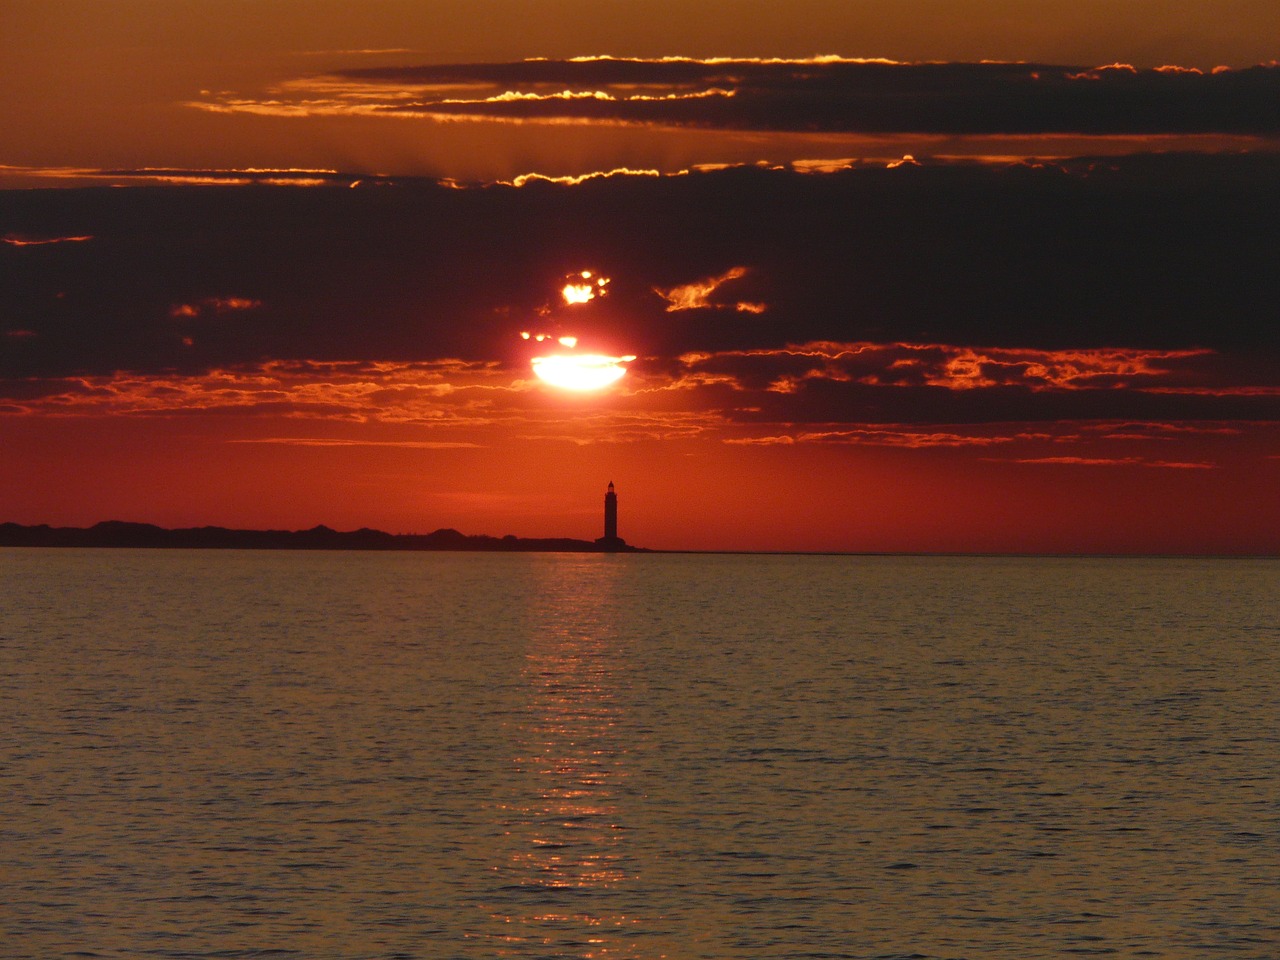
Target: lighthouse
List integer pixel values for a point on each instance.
(611, 540)
(610, 514)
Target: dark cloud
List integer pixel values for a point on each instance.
(819, 95)
(1136, 288)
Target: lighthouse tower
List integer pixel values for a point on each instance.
(611, 540)
(610, 514)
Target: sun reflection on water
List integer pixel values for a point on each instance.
(568, 865)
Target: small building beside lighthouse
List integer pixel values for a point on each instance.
(611, 540)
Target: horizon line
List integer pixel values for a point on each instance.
(321, 528)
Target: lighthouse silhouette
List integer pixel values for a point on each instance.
(611, 540)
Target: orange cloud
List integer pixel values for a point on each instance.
(1098, 73)
(21, 240)
(448, 391)
(359, 52)
(1155, 430)
(832, 165)
(526, 178)
(1259, 390)
(213, 305)
(1040, 151)
(223, 177)
(910, 436)
(510, 96)
(822, 58)
(697, 295)
(343, 442)
(968, 368)
(904, 437)
(1115, 462)
(959, 368)
(823, 93)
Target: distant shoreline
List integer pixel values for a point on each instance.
(117, 533)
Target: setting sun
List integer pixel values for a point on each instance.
(588, 371)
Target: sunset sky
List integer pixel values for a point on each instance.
(883, 275)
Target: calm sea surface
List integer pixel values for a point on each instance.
(394, 755)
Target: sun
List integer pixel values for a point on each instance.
(566, 368)
(580, 371)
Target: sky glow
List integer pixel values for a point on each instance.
(962, 284)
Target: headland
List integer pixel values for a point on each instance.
(116, 533)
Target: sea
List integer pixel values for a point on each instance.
(239, 754)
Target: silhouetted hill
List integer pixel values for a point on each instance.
(117, 533)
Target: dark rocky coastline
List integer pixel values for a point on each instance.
(116, 533)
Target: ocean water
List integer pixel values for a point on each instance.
(395, 755)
